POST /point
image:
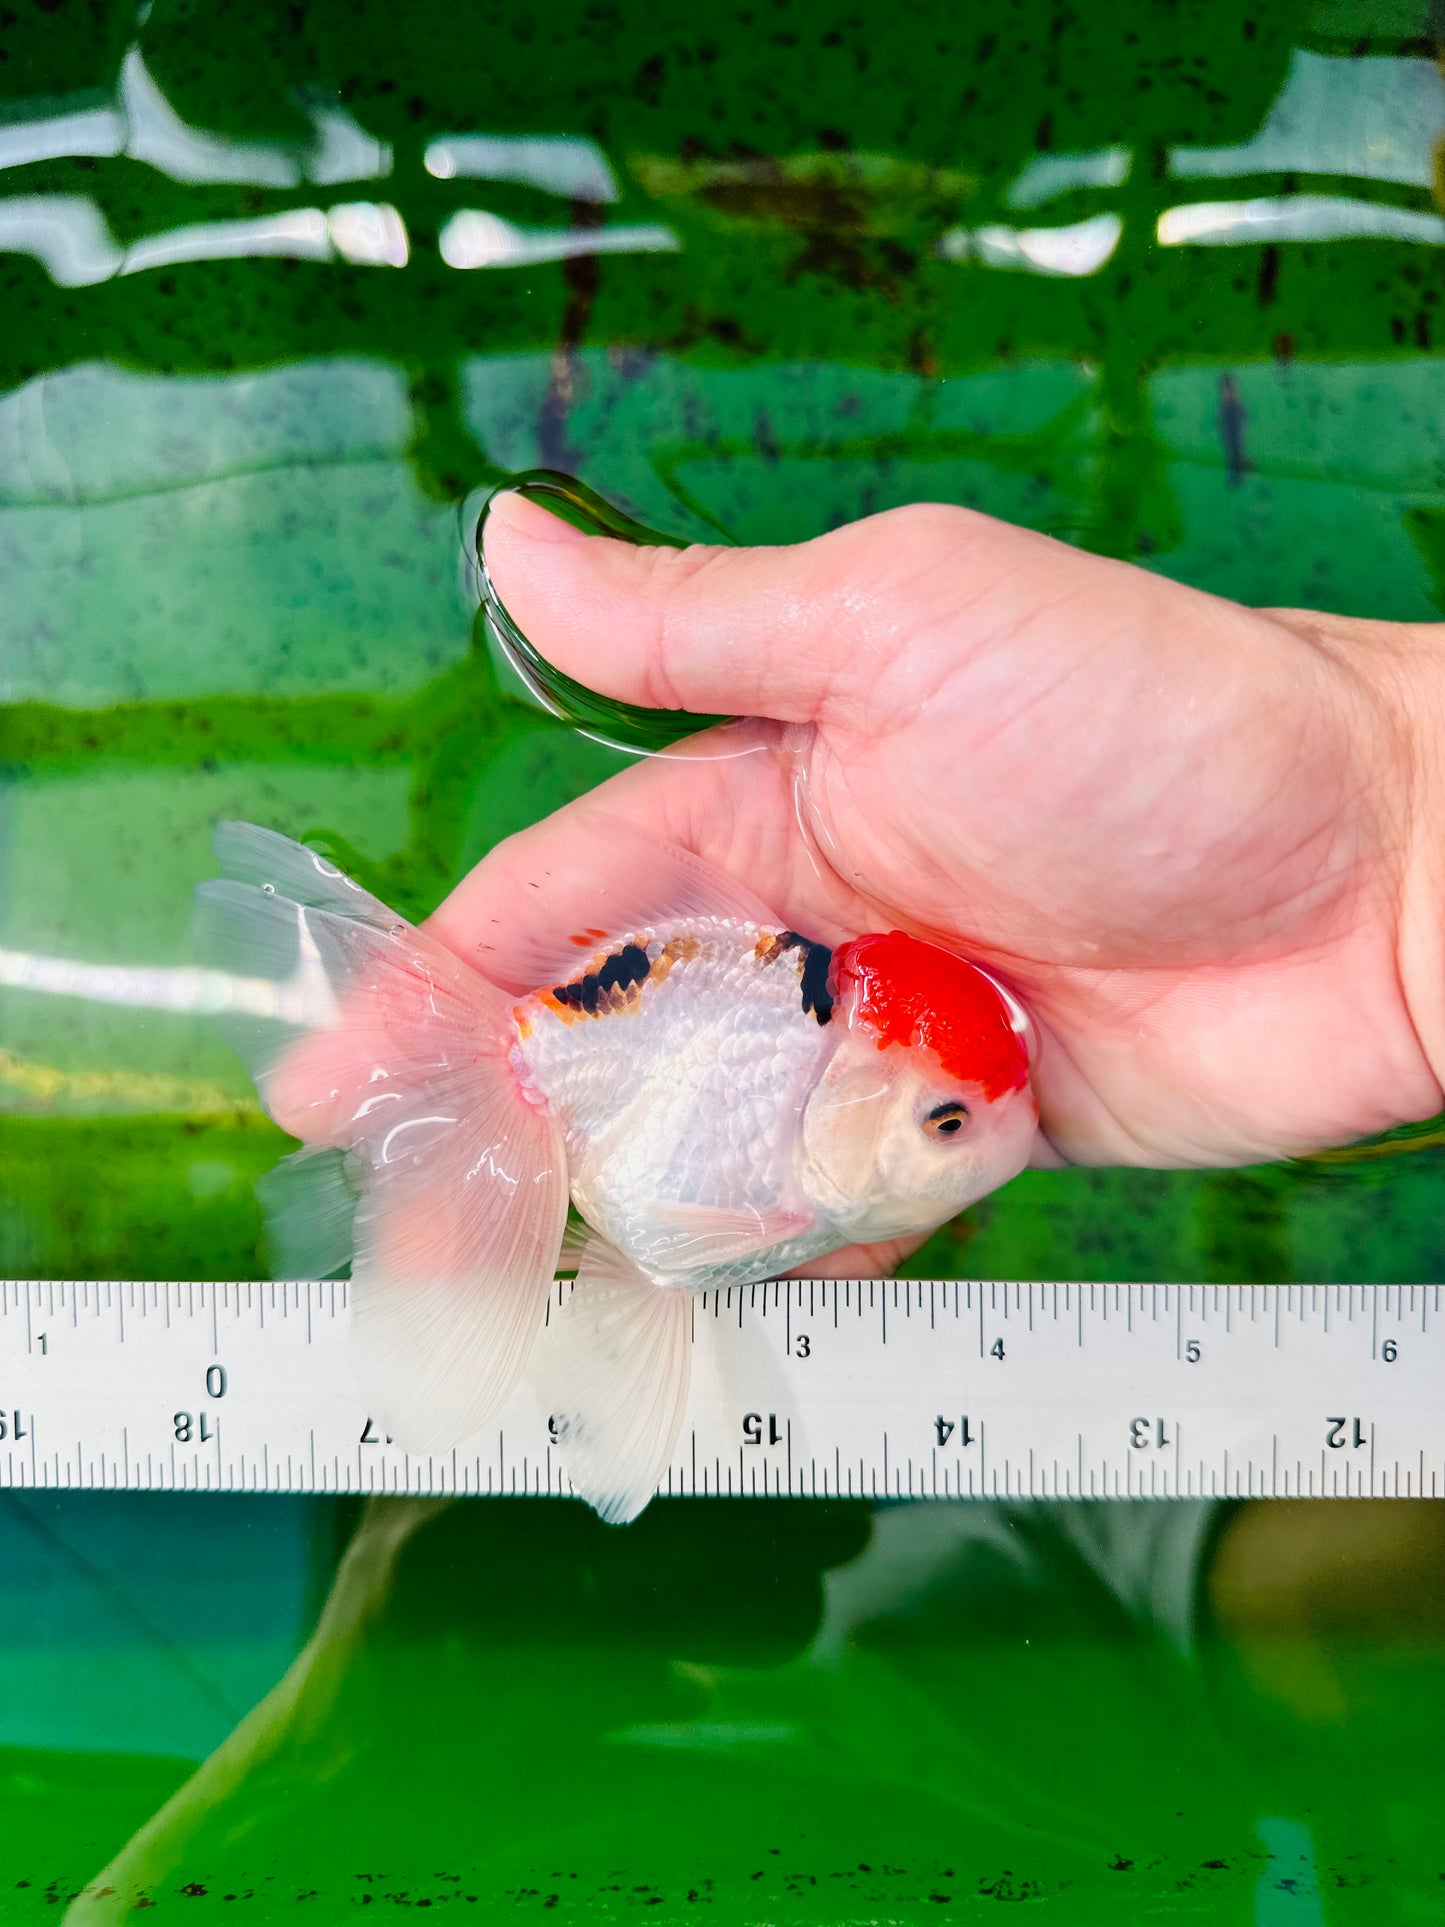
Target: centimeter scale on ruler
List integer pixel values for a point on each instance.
(810, 1387)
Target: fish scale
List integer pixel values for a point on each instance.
(678, 1096)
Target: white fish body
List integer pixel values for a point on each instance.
(718, 1097)
(681, 1097)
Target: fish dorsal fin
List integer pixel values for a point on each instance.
(614, 1369)
(528, 928)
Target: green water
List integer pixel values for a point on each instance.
(235, 491)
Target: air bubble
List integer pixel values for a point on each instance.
(268, 889)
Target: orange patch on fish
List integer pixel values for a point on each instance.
(676, 950)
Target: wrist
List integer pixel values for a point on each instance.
(1398, 668)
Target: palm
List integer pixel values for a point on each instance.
(1148, 809)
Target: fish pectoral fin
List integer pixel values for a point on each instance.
(614, 1366)
(693, 1235)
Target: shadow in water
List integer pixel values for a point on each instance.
(815, 1712)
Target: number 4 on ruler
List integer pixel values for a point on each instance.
(946, 1428)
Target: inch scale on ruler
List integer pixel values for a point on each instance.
(809, 1387)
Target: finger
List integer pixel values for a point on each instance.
(800, 634)
(860, 1261)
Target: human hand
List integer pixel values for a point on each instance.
(1202, 842)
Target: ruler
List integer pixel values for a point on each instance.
(808, 1387)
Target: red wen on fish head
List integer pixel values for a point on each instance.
(912, 993)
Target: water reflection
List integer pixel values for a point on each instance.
(820, 1712)
(144, 126)
(154, 132)
(68, 235)
(1047, 176)
(300, 234)
(368, 234)
(474, 239)
(1082, 248)
(343, 150)
(303, 998)
(88, 131)
(1374, 118)
(562, 164)
(1295, 217)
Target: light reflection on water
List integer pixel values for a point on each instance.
(472, 239)
(1375, 120)
(560, 164)
(145, 127)
(68, 235)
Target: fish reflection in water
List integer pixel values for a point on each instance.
(955, 1658)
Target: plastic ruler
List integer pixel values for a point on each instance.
(811, 1387)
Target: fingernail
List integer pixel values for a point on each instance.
(528, 518)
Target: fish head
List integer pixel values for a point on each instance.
(925, 1104)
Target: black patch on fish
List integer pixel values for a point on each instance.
(620, 971)
(813, 978)
(626, 967)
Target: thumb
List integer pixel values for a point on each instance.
(798, 634)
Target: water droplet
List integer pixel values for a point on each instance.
(268, 889)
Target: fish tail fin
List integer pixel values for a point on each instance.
(616, 1367)
(460, 1182)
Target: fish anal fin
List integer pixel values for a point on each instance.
(615, 1367)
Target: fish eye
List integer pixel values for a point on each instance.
(945, 1119)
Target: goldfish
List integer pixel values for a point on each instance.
(717, 1097)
